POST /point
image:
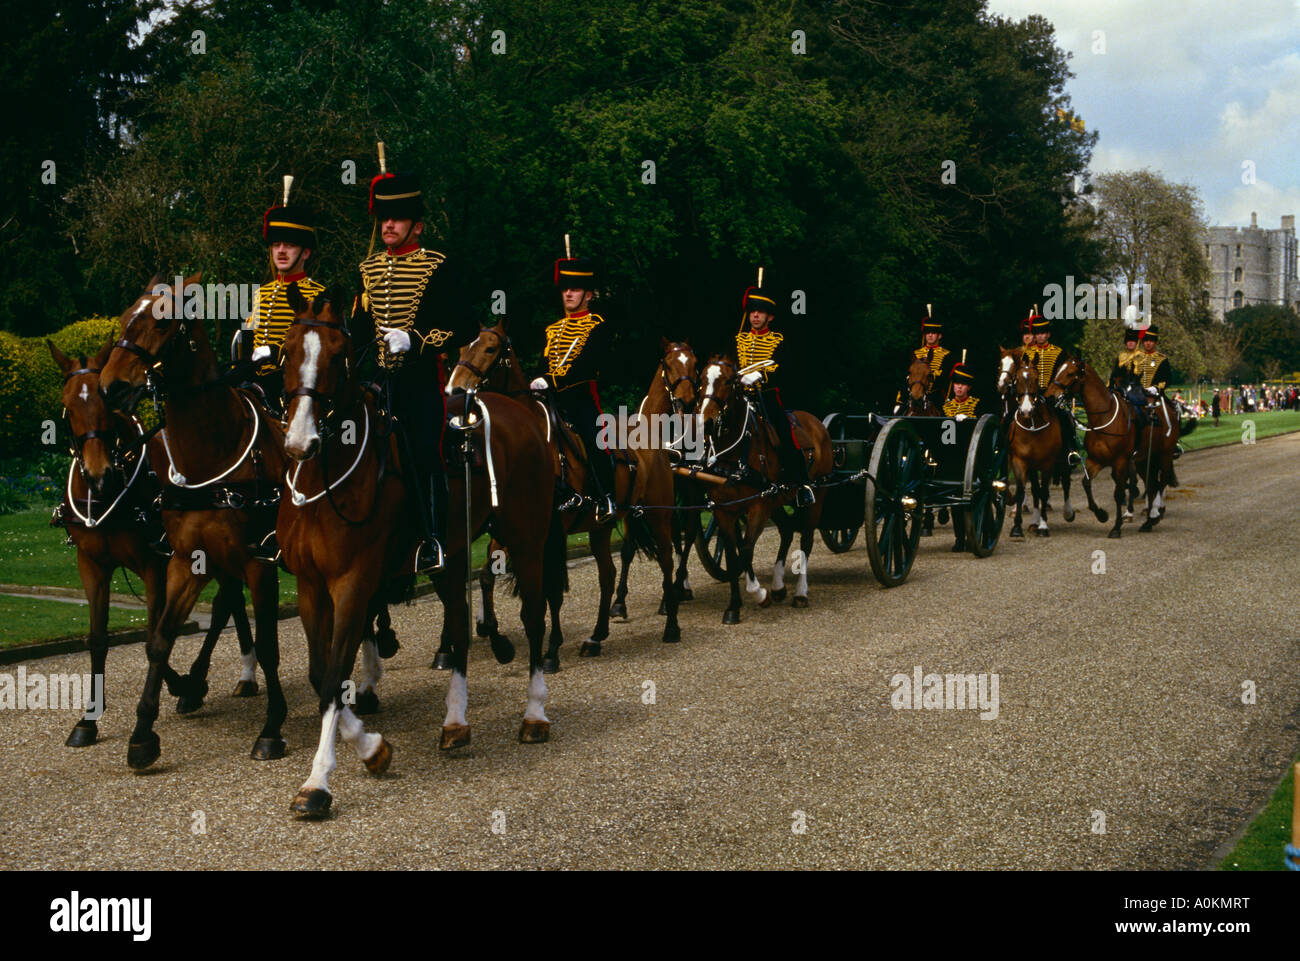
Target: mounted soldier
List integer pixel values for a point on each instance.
(961, 406)
(410, 312)
(757, 344)
(289, 232)
(576, 346)
(1124, 379)
(938, 357)
(1046, 358)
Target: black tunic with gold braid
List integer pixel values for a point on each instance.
(753, 347)
(272, 314)
(1151, 369)
(970, 407)
(576, 346)
(1046, 358)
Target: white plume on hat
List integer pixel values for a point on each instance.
(1131, 317)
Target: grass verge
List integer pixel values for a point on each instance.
(1261, 847)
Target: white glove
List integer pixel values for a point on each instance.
(539, 383)
(752, 378)
(261, 353)
(1152, 391)
(398, 341)
(961, 417)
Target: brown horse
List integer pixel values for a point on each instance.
(107, 510)
(1034, 443)
(221, 455)
(642, 478)
(744, 446)
(1109, 438)
(671, 395)
(918, 400)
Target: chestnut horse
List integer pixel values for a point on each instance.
(744, 445)
(108, 512)
(641, 477)
(917, 401)
(1109, 437)
(1034, 444)
(221, 455)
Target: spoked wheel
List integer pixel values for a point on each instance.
(839, 541)
(709, 549)
(894, 502)
(985, 470)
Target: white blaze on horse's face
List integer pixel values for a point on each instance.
(302, 429)
(711, 375)
(83, 393)
(1005, 377)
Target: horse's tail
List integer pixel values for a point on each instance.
(636, 529)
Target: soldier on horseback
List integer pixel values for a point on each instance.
(289, 232)
(931, 351)
(758, 344)
(411, 310)
(576, 346)
(1124, 379)
(1047, 357)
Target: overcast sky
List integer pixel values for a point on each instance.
(1192, 89)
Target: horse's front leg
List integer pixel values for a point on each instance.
(786, 528)
(95, 580)
(599, 539)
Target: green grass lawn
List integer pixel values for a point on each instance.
(28, 620)
(1230, 429)
(1261, 848)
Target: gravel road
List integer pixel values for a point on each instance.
(771, 744)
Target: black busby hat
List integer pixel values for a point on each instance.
(1131, 333)
(756, 298)
(1150, 333)
(289, 223)
(928, 324)
(1040, 325)
(961, 375)
(575, 273)
(397, 196)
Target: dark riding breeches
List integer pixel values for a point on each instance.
(580, 406)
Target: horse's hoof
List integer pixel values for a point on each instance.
(378, 762)
(551, 664)
(663, 607)
(244, 689)
(267, 749)
(367, 703)
(188, 705)
(1069, 516)
(83, 735)
(1017, 532)
(481, 629)
(767, 600)
(943, 515)
(672, 634)
(1162, 512)
(140, 754)
(687, 594)
(619, 610)
(1114, 533)
(534, 732)
(502, 649)
(454, 736)
(589, 649)
(1102, 516)
(312, 805)
(442, 661)
(386, 642)
(192, 697)
(1042, 532)
(730, 617)
(800, 601)
(1148, 527)
(778, 594)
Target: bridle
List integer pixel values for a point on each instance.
(670, 386)
(326, 401)
(504, 350)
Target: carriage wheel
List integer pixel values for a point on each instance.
(985, 464)
(894, 502)
(709, 549)
(839, 541)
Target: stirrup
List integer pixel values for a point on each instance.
(429, 557)
(267, 553)
(572, 504)
(805, 496)
(1073, 459)
(606, 510)
(1178, 451)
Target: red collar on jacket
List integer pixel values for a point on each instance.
(403, 251)
(291, 278)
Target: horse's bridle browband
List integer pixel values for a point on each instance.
(326, 400)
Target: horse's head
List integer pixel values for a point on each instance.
(920, 380)
(149, 326)
(1006, 368)
(719, 381)
(317, 360)
(484, 356)
(679, 375)
(1024, 381)
(1067, 379)
(87, 414)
